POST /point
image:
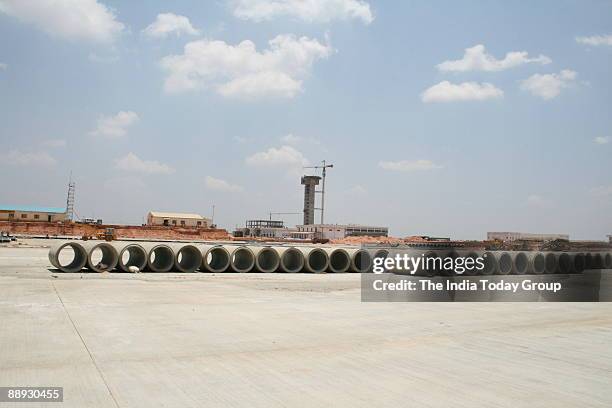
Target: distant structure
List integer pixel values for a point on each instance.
(170, 219)
(515, 236)
(610, 238)
(32, 213)
(310, 183)
(338, 231)
(70, 200)
(264, 229)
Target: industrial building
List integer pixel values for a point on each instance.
(516, 236)
(265, 229)
(32, 213)
(338, 231)
(170, 219)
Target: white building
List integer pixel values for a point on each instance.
(170, 219)
(514, 236)
(32, 213)
(339, 231)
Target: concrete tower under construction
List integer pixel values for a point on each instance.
(310, 183)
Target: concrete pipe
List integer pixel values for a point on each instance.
(242, 258)
(316, 260)
(361, 261)
(266, 259)
(588, 261)
(187, 257)
(490, 264)
(380, 254)
(130, 254)
(537, 263)
(578, 263)
(291, 259)
(215, 258)
(101, 256)
(564, 264)
(550, 262)
(160, 257)
(68, 257)
(504, 263)
(339, 260)
(433, 264)
(470, 267)
(607, 260)
(597, 261)
(520, 263)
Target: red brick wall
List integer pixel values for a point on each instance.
(121, 231)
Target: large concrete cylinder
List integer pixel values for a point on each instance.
(537, 263)
(490, 264)
(579, 263)
(315, 259)
(588, 261)
(550, 262)
(339, 260)
(291, 259)
(433, 264)
(266, 259)
(101, 256)
(505, 263)
(130, 254)
(564, 263)
(607, 260)
(68, 257)
(471, 256)
(242, 258)
(597, 261)
(160, 257)
(361, 261)
(215, 258)
(187, 257)
(520, 263)
(379, 255)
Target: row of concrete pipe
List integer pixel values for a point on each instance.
(100, 256)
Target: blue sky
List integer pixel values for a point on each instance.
(176, 106)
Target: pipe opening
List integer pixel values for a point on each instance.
(292, 261)
(188, 258)
(217, 259)
(362, 261)
(597, 261)
(539, 263)
(133, 255)
(339, 261)
(242, 260)
(608, 261)
(71, 257)
(317, 260)
(472, 269)
(505, 264)
(267, 260)
(520, 263)
(161, 259)
(579, 263)
(490, 264)
(102, 258)
(588, 261)
(565, 263)
(551, 263)
(380, 254)
(433, 264)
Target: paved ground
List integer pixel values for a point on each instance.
(204, 340)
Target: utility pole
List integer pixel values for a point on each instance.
(212, 219)
(324, 166)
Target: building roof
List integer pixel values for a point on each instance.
(176, 215)
(32, 208)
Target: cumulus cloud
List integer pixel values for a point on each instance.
(312, 11)
(133, 163)
(216, 184)
(285, 156)
(86, 20)
(169, 23)
(601, 140)
(466, 91)
(595, 40)
(407, 165)
(243, 72)
(54, 143)
(116, 126)
(548, 86)
(19, 158)
(477, 59)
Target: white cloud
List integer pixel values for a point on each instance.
(595, 40)
(243, 72)
(54, 143)
(312, 11)
(18, 158)
(85, 20)
(548, 86)
(169, 23)
(601, 191)
(466, 91)
(477, 59)
(133, 163)
(3, 66)
(406, 165)
(115, 126)
(291, 139)
(222, 185)
(601, 140)
(285, 156)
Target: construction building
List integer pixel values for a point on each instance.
(264, 228)
(310, 184)
(338, 231)
(516, 236)
(32, 213)
(171, 219)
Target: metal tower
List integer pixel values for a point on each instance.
(70, 200)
